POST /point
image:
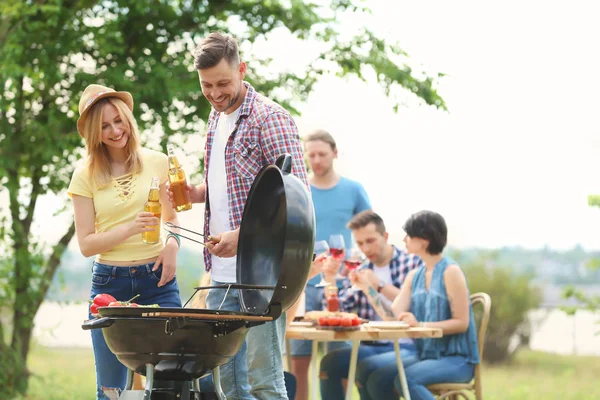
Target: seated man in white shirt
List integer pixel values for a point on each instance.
(386, 269)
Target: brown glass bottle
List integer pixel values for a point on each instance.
(333, 302)
(178, 182)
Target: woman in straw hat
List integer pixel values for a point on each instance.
(108, 195)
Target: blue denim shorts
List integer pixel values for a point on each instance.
(126, 282)
(123, 283)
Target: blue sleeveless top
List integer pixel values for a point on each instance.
(432, 306)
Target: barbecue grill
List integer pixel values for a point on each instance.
(180, 345)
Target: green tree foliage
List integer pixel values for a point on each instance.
(50, 50)
(591, 302)
(513, 296)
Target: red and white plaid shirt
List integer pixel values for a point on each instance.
(263, 131)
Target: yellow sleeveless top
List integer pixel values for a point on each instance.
(120, 201)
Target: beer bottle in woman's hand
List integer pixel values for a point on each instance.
(153, 206)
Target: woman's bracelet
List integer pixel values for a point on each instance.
(176, 236)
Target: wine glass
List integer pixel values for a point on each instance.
(354, 260)
(337, 246)
(321, 248)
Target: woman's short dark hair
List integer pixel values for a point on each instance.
(430, 226)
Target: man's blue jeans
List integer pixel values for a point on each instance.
(384, 383)
(123, 283)
(335, 366)
(207, 386)
(256, 371)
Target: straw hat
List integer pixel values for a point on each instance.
(93, 93)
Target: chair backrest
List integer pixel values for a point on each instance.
(486, 302)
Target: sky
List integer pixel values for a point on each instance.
(512, 161)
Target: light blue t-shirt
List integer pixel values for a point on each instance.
(335, 207)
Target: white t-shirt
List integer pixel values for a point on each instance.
(223, 269)
(385, 275)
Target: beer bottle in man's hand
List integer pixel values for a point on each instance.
(178, 182)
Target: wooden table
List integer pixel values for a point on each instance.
(365, 333)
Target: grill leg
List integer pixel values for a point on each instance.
(129, 383)
(217, 384)
(149, 381)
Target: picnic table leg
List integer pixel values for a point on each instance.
(314, 371)
(352, 372)
(401, 374)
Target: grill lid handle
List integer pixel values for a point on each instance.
(103, 322)
(284, 163)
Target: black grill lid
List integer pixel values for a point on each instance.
(276, 241)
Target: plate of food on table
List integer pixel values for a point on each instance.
(331, 320)
(387, 325)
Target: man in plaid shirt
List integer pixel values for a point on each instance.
(385, 272)
(246, 131)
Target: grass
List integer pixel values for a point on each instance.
(61, 374)
(536, 375)
(66, 374)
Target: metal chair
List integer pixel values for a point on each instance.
(454, 391)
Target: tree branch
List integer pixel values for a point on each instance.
(13, 195)
(2, 344)
(22, 267)
(35, 191)
(5, 29)
(52, 265)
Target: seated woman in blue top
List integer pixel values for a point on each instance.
(434, 295)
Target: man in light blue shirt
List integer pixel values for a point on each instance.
(336, 200)
(335, 206)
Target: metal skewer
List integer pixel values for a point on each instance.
(211, 239)
(185, 237)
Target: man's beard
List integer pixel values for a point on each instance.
(234, 99)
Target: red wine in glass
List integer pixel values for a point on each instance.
(337, 247)
(321, 251)
(338, 254)
(352, 264)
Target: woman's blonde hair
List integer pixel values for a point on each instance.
(98, 159)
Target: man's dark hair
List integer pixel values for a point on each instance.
(215, 47)
(365, 218)
(430, 226)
